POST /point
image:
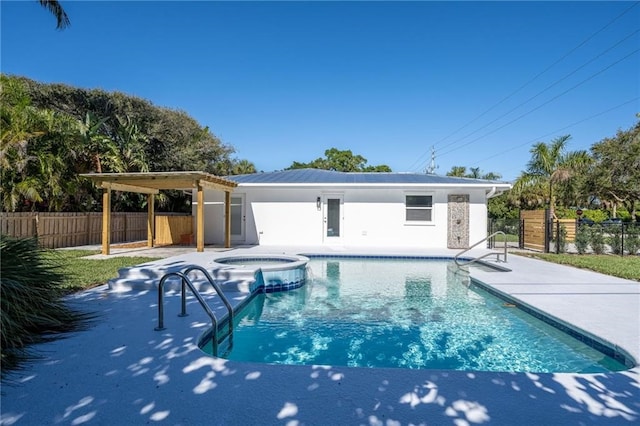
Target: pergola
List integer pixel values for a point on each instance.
(151, 183)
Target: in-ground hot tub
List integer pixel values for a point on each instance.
(279, 272)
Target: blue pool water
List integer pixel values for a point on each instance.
(403, 313)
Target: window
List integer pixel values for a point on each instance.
(419, 208)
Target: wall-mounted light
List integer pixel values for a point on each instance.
(318, 203)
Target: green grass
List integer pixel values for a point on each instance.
(86, 273)
(617, 266)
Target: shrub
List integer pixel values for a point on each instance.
(595, 215)
(615, 239)
(561, 239)
(31, 308)
(597, 239)
(583, 236)
(632, 240)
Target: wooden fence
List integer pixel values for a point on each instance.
(172, 229)
(55, 230)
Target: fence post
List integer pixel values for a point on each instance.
(622, 239)
(36, 227)
(548, 229)
(489, 242)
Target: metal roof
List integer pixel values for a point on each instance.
(329, 177)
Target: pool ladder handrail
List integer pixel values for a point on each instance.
(186, 282)
(476, 259)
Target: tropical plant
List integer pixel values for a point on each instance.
(56, 9)
(32, 310)
(96, 147)
(243, 167)
(474, 173)
(51, 133)
(549, 167)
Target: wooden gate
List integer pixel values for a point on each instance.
(534, 229)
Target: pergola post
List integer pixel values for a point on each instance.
(106, 220)
(200, 220)
(150, 219)
(227, 219)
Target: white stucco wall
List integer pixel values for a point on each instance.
(371, 216)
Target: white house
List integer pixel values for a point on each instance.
(316, 207)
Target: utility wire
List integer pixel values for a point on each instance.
(502, 152)
(585, 41)
(548, 87)
(543, 104)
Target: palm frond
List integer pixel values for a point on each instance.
(56, 9)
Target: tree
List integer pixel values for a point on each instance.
(94, 143)
(614, 177)
(56, 9)
(51, 133)
(457, 171)
(474, 173)
(341, 161)
(549, 167)
(243, 167)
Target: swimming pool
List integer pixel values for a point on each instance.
(406, 313)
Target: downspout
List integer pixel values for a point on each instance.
(492, 192)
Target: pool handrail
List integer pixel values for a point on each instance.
(222, 296)
(186, 282)
(476, 259)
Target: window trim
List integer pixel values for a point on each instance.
(407, 208)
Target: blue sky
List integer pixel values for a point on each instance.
(284, 81)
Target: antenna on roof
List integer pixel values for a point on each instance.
(431, 169)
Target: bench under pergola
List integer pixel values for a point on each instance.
(151, 183)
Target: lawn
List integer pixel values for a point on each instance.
(86, 273)
(617, 266)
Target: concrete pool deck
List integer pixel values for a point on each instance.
(121, 371)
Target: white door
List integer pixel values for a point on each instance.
(332, 218)
(237, 218)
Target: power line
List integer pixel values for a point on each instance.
(548, 87)
(502, 152)
(543, 104)
(585, 41)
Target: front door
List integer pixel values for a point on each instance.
(332, 218)
(458, 221)
(237, 218)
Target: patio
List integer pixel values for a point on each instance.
(121, 371)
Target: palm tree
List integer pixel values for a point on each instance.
(130, 142)
(243, 167)
(549, 166)
(95, 144)
(56, 9)
(457, 171)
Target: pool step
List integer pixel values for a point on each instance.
(147, 277)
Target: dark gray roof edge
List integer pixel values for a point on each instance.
(319, 176)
